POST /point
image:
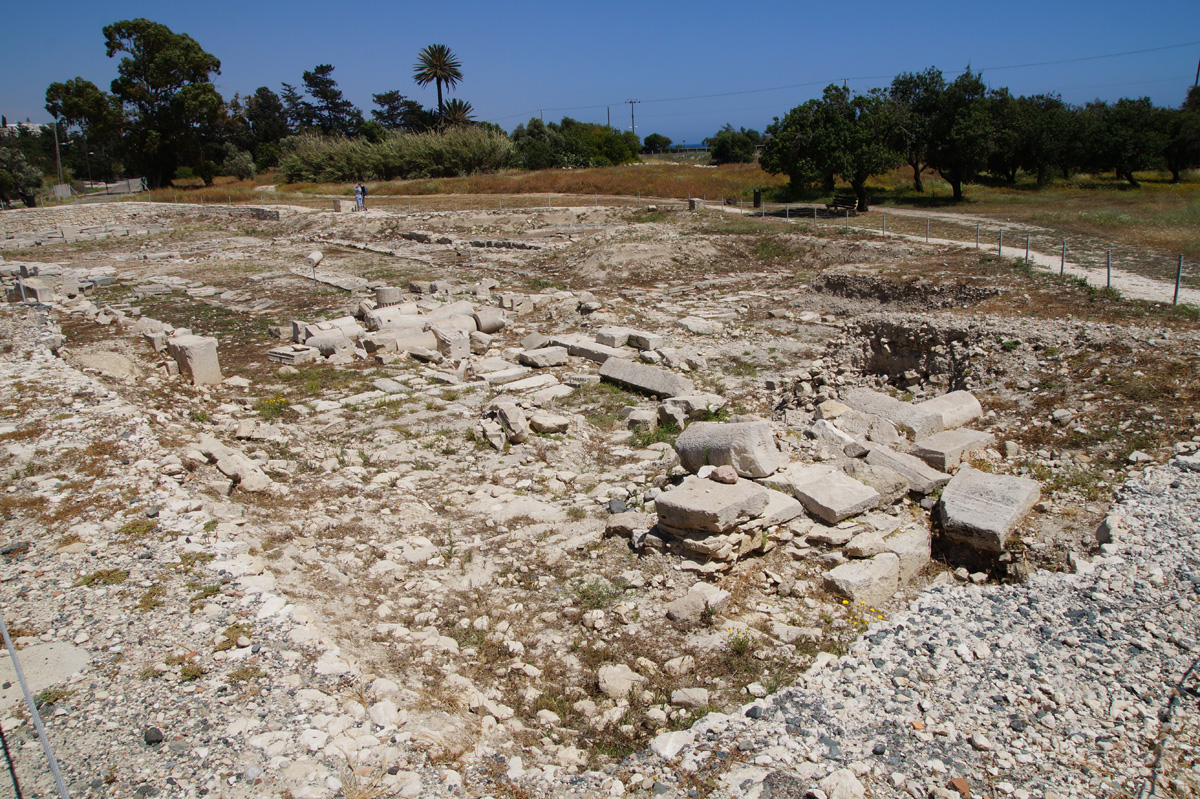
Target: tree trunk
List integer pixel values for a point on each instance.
(860, 193)
(916, 168)
(828, 184)
(955, 183)
(1042, 176)
(1128, 175)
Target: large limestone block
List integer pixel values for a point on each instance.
(781, 508)
(452, 342)
(697, 406)
(921, 477)
(890, 485)
(945, 450)
(649, 379)
(873, 580)
(918, 422)
(829, 493)
(912, 546)
(955, 409)
(982, 510)
(443, 311)
(749, 447)
(330, 343)
(197, 359)
(580, 347)
(544, 357)
(490, 320)
(708, 506)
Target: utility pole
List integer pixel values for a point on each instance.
(632, 122)
(608, 112)
(542, 114)
(57, 158)
(1197, 82)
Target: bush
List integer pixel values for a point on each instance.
(207, 171)
(240, 164)
(457, 151)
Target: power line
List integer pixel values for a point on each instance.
(808, 84)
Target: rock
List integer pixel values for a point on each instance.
(544, 357)
(916, 421)
(890, 485)
(954, 409)
(702, 598)
(865, 545)
(702, 327)
(547, 422)
(452, 342)
(831, 409)
(197, 358)
(690, 697)
(612, 336)
(669, 744)
(829, 493)
(842, 784)
(672, 416)
(648, 379)
(912, 546)
(872, 581)
(490, 320)
(627, 524)
(152, 736)
(617, 681)
(642, 419)
(644, 341)
(922, 478)
(749, 447)
(697, 406)
(723, 474)
(944, 451)
(781, 508)
(982, 509)
(680, 666)
(512, 419)
(709, 507)
(315, 257)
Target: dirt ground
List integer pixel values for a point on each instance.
(480, 581)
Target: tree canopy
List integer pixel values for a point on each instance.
(438, 65)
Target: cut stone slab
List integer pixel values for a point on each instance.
(697, 406)
(649, 379)
(918, 422)
(945, 450)
(547, 422)
(829, 493)
(197, 359)
(890, 485)
(749, 447)
(873, 580)
(709, 506)
(982, 510)
(955, 409)
(781, 508)
(544, 357)
(921, 477)
(44, 665)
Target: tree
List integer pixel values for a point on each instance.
(397, 112)
(267, 121)
(539, 146)
(1182, 126)
(961, 131)
(299, 111)
(916, 95)
(437, 64)
(18, 177)
(164, 84)
(1126, 137)
(1046, 127)
(457, 113)
(1004, 160)
(841, 134)
(80, 104)
(331, 112)
(731, 146)
(656, 143)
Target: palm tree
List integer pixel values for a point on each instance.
(458, 113)
(437, 65)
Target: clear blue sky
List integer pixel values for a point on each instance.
(577, 59)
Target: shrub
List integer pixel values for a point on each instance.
(454, 152)
(240, 164)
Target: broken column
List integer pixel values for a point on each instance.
(749, 447)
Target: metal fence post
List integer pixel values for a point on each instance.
(927, 233)
(1000, 246)
(787, 212)
(1108, 268)
(1178, 279)
(1062, 264)
(883, 229)
(976, 233)
(1026, 249)
(33, 712)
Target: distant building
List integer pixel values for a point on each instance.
(14, 128)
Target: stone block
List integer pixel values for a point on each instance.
(387, 296)
(982, 510)
(648, 379)
(890, 485)
(921, 477)
(781, 508)
(945, 450)
(597, 353)
(197, 358)
(916, 421)
(547, 422)
(544, 357)
(707, 506)
(955, 409)
(512, 419)
(612, 336)
(330, 343)
(829, 493)
(697, 406)
(701, 598)
(873, 580)
(403, 314)
(452, 342)
(30, 290)
(912, 546)
(644, 341)
(749, 447)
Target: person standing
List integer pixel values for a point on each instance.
(358, 197)
(363, 204)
